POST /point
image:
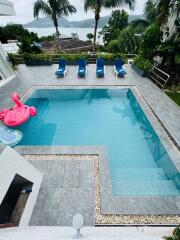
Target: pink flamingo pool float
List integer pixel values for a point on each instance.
(19, 114)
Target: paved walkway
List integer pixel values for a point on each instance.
(89, 233)
(67, 189)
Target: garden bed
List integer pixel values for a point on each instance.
(139, 71)
(175, 96)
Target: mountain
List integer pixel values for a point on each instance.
(63, 22)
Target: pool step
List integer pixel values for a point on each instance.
(137, 174)
(145, 188)
(136, 162)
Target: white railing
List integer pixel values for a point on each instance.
(158, 76)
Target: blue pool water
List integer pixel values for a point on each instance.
(139, 164)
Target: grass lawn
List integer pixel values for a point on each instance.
(175, 96)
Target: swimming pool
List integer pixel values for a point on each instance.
(139, 164)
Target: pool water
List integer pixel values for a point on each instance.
(139, 164)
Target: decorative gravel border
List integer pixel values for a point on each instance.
(109, 219)
(133, 208)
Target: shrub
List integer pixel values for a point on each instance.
(70, 58)
(111, 56)
(113, 46)
(142, 63)
(175, 235)
(36, 57)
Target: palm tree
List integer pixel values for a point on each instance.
(151, 10)
(97, 5)
(166, 8)
(54, 9)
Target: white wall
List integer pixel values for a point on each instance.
(11, 163)
(5, 68)
(6, 8)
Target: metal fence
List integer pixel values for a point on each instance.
(159, 77)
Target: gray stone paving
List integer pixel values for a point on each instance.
(67, 189)
(162, 105)
(166, 110)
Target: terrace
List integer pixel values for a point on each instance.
(107, 148)
(62, 186)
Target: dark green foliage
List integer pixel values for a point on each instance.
(54, 9)
(89, 36)
(47, 38)
(16, 32)
(176, 231)
(26, 46)
(170, 53)
(117, 22)
(151, 10)
(97, 5)
(127, 42)
(175, 96)
(151, 39)
(110, 57)
(139, 25)
(143, 63)
(118, 19)
(113, 46)
(117, 3)
(20, 58)
(70, 58)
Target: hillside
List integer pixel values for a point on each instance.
(63, 22)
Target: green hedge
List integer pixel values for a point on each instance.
(70, 58)
(110, 57)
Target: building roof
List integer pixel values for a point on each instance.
(6, 8)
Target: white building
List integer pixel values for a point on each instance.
(6, 72)
(6, 8)
(19, 180)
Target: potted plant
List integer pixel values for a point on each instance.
(141, 66)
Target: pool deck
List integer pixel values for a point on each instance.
(162, 105)
(67, 189)
(89, 233)
(166, 111)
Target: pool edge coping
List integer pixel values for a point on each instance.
(105, 182)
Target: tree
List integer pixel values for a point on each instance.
(89, 36)
(151, 10)
(139, 25)
(151, 40)
(97, 5)
(127, 42)
(54, 9)
(16, 32)
(117, 22)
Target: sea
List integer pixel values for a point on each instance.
(81, 32)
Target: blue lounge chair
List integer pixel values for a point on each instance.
(62, 69)
(100, 67)
(82, 68)
(118, 68)
(9, 136)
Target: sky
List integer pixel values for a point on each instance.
(24, 11)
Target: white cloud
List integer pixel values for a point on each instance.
(24, 11)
